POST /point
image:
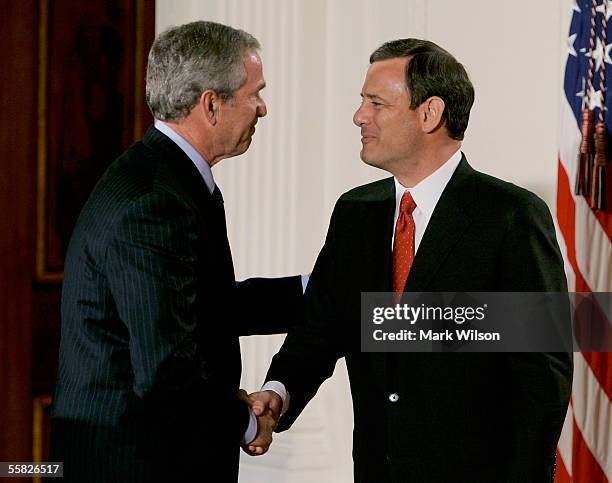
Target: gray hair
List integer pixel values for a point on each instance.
(185, 61)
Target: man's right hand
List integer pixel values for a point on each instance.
(266, 405)
(264, 401)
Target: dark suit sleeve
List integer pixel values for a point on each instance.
(150, 265)
(540, 382)
(268, 305)
(310, 351)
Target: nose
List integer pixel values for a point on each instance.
(262, 109)
(359, 118)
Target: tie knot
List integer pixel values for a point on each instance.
(407, 205)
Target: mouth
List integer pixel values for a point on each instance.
(365, 139)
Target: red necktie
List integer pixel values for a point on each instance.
(403, 245)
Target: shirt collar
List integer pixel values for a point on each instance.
(190, 151)
(428, 191)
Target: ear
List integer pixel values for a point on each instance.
(209, 104)
(432, 114)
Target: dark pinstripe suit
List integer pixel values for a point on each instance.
(149, 355)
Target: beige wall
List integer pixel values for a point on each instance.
(306, 152)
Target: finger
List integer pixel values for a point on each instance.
(258, 408)
(243, 395)
(256, 396)
(250, 453)
(257, 450)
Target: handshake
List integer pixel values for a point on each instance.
(266, 406)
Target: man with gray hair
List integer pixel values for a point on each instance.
(149, 356)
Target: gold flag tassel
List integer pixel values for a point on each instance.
(586, 154)
(600, 182)
(602, 174)
(587, 148)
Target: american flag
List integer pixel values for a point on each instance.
(585, 448)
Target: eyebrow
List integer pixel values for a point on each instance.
(372, 97)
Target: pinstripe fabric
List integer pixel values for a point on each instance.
(149, 355)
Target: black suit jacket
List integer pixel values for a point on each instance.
(149, 361)
(460, 417)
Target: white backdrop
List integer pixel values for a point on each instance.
(279, 195)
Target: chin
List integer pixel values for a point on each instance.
(377, 163)
(243, 149)
(370, 161)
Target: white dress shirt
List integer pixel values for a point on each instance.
(426, 195)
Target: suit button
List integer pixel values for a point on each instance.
(393, 397)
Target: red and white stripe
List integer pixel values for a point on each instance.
(585, 447)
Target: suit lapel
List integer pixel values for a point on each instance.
(378, 233)
(377, 221)
(448, 222)
(195, 189)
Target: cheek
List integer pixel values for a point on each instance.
(247, 115)
(386, 126)
(386, 120)
(398, 129)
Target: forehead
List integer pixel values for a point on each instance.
(251, 57)
(253, 65)
(386, 76)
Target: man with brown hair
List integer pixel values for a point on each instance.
(436, 225)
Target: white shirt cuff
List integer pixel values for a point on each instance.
(279, 388)
(251, 432)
